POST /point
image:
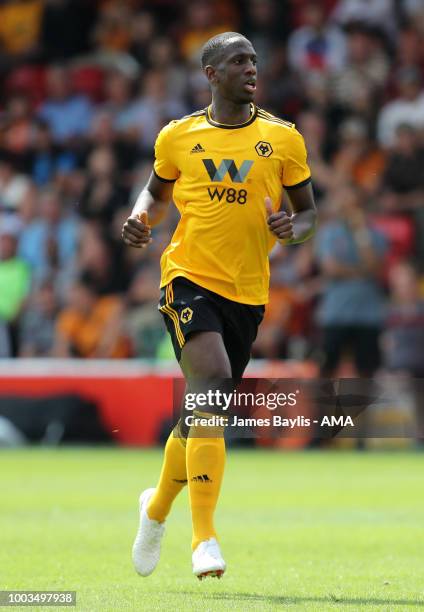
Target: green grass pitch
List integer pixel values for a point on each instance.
(302, 531)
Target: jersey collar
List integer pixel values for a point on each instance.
(235, 126)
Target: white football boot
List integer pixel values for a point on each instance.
(207, 560)
(146, 547)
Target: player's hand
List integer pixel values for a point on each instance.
(279, 223)
(136, 231)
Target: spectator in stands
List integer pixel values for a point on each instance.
(407, 108)
(404, 175)
(28, 205)
(143, 321)
(18, 127)
(142, 33)
(409, 53)
(364, 104)
(90, 325)
(416, 14)
(162, 58)
(15, 278)
(118, 94)
(111, 37)
(265, 23)
(112, 30)
(67, 114)
(102, 258)
(91, 155)
(351, 313)
(288, 321)
(201, 22)
(152, 109)
(313, 128)
(37, 323)
(404, 336)
(104, 192)
(49, 243)
(317, 45)
(14, 184)
(20, 28)
(285, 98)
(125, 149)
(317, 94)
(47, 159)
(273, 336)
(65, 28)
(358, 160)
(372, 13)
(412, 10)
(366, 67)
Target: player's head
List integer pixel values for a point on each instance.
(229, 62)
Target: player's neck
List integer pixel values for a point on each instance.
(229, 113)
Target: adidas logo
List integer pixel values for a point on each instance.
(197, 149)
(182, 481)
(201, 478)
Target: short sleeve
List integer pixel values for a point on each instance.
(164, 167)
(296, 172)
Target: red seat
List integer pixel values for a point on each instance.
(29, 80)
(88, 80)
(400, 234)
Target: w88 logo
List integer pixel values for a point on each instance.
(228, 194)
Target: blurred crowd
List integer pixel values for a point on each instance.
(85, 87)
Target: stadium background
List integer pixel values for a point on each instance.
(84, 88)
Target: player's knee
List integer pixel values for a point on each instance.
(219, 371)
(210, 370)
(205, 357)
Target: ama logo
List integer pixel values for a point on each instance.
(237, 175)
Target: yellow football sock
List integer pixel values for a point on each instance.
(205, 468)
(172, 479)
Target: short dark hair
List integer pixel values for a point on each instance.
(214, 47)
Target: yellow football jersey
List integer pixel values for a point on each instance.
(222, 175)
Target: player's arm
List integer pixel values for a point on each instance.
(151, 204)
(304, 215)
(301, 224)
(149, 210)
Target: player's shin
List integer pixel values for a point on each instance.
(205, 457)
(173, 476)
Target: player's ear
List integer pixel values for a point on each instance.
(211, 74)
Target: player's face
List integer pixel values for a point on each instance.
(235, 76)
